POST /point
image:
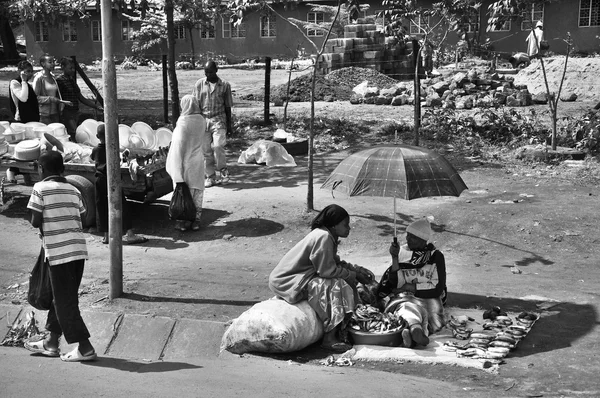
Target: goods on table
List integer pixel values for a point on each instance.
(27, 150)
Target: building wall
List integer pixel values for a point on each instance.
(84, 49)
(559, 18)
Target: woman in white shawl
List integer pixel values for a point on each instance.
(185, 161)
(534, 39)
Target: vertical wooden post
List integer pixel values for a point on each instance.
(417, 89)
(165, 89)
(267, 88)
(113, 164)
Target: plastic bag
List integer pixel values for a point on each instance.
(267, 152)
(273, 326)
(182, 205)
(40, 289)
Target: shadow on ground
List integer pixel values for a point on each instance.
(559, 326)
(140, 367)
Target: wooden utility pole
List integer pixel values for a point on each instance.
(165, 89)
(267, 120)
(113, 163)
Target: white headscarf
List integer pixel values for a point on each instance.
(185, 161)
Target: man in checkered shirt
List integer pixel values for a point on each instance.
(215, 99)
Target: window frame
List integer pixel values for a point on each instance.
(270, 31)
(420, 23)
(69, 31)
(235, 32)
(589, 9)
(126, 30)
(41, 34)
(472, 27)
(531, 18)
(96, 29)
(180, 32)
(506, 27)
(209, 34)
(315, 32)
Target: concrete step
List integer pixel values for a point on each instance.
(133, 336)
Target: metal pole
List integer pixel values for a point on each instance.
(267, 88)
(113, 164)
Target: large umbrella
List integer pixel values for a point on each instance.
(398, 171)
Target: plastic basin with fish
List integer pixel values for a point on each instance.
(388, 339)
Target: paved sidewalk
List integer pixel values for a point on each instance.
(132, 336)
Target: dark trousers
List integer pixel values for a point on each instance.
(64, 316)
(69, 118)
(102, 207)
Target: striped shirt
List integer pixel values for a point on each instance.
(213, 102)
(61, 206)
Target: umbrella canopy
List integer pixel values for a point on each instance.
(399, 171)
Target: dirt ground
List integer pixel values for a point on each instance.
(524, 237)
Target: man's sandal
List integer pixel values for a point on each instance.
(76, 356)
(39, 348)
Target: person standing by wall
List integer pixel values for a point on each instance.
(215, 100)
(24, 104)
(47, 91)
(535, 39)
(70, 92)
(56, 207)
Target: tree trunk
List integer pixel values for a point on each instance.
(171, 54)
(11, 55)
(192, 48)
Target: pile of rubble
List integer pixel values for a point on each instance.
(461, 90)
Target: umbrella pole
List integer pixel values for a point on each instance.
(395, 235)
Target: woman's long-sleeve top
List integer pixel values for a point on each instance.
(314, 256)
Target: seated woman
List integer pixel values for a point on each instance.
(313, 271)
(415, 284)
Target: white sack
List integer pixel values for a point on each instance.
(273, 326)
(269, 152)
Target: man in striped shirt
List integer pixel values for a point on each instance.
(56, 207)
(216, 101)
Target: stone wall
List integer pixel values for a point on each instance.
(365, 46)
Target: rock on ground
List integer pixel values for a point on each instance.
(581, 77)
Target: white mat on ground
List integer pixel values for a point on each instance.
(433, 353)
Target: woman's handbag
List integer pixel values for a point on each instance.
(182, 205)
(544, 45)
(40, 288)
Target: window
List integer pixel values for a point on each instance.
(69, 31)
(126, 31)
(315, 18)
(232, 31)
(180, 32)
(504, 28)
(534, 15)
(207, 30)
(417, 26)
(96, 31)
(471, 23)
(41, 31)
(267, 26)
(589, 13)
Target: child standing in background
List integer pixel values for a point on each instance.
(99, 158)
